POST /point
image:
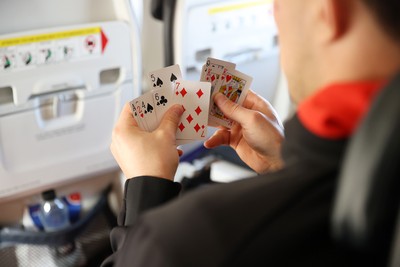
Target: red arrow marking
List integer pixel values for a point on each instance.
(104, 41)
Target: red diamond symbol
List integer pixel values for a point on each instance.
(197, 128)
(198, 110)
(199, 93)
(184, 109)
(213, 78)
(181, 127)
(183, 92)
(177, 93)
(189, 118)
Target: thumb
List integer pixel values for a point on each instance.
(171, 118)
(231, 109)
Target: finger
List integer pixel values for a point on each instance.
(219, 138)
(254, 101)
(231, 109)
(123, 124)
(251, 99)
(171, 119)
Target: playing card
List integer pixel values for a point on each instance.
(195, 99)
(234, 85)
(213, 64)
(135, 114)
(163, 100)
(144, 106)
(165, 77)
(213, 76)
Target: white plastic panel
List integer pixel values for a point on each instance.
(240, 31)
(25, 15)
(92, 49)
(58, 126)
(33, 157)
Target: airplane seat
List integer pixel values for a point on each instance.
(366, 214)
(66, 70)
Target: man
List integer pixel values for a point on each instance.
(337, 55)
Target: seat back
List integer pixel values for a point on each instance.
(366, 208)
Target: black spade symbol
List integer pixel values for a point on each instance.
(159, 83)
(173, 78)
(149, 108)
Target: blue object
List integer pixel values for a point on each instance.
(74, 205)
(34, 211)
(53, 212)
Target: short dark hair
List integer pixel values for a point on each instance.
(387, 13)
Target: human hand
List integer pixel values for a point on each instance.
(141, 153)
(256, 133)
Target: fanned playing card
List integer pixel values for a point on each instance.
(163, 100)
(234, 85)
(169, 88)
(136, 115)
(212, 72)
(195, 99)
(213, 64)
(144, 106)
(165, 77)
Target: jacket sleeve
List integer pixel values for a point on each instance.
(140, 194)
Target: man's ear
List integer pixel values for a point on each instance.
(335, 18)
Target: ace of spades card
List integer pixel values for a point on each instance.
(195, 99)
(165, 77)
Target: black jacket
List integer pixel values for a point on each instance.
(277, 219)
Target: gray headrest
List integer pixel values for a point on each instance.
(367, 200)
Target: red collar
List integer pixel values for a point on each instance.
(334, 111)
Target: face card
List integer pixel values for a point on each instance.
(213, 76)
(145, 107)
(234, 85)
(162, 100)
(195, 99)
(165, 77)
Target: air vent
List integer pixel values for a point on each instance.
(110, 76)
(6, 95)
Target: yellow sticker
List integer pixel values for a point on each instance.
(48, 37)
(238, 6)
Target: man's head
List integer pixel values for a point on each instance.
(387, 13)
(328, 41)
